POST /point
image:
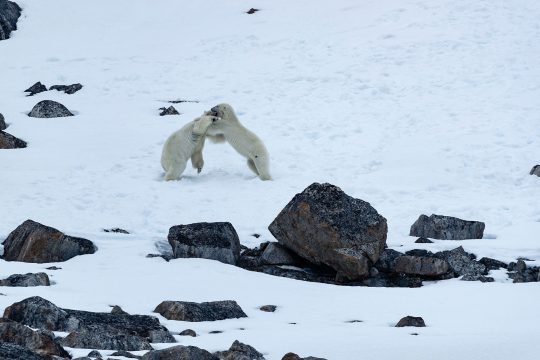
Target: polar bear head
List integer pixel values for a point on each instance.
(228, 120)
(202, 123)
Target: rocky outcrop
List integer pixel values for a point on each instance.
(179, 353)
(36, 89)
(49, 109)
(8, 141)
(104, 337)
(9, 15)
(25, 280)
(519, 272)
(10, 351)
(535, 170)
(327, 227)
(68, 89)
(217, 241)
(447, 228)
(411, 321)
(37, 243)
(239, 351)
(195, 312)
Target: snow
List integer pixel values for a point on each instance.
(417, 107)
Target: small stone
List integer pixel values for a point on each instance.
(26, 280)
(240, 351)
(268, 308)
(254, 235)
(252, 11)
(168, 111)
(188, 332)
(49, 109)
(36, 89)
(118, 310)
(411, 321)
(116, 230)
(164, 257)
(535, 170)
(54, 268)
(126, 354)
(423, 240)
(68, 89)
(8, 141)
(216, 332)
(94, 354)
(353, 321)
(179, 352)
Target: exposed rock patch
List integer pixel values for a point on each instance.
(239, 351)
(25, 280)
(8, 141)
(411, 321)
(195, 312)
(268, 308)
(447, 228)
(535, 170)
(168, 111)
(179, 353)
(188, 332)
(9, 15)
(49, 109)
(36, 89)
(68, 89)
(10, 351)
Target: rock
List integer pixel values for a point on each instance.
(179, 353)
(117, 310)
(421, 265)
(411, 321)
(36, 89)
(293, 356)
(116, 230)
(8, 141)
(252, 11)
(126, 354)
(20, 280)
(9, 351)
(461, 262)
(492, 264)
(423, 240)
(105, 337)
(276, 254)
(188, 332)
(68, 89)
(268, 308)
(3, 125)
(42, 314)
(521, 273)
(240, 351)
(535, 170)
(40, 342)
(168, 111)
(37, 243)
(447, 228)
(327, 227)
(387, 260)
(94, 354)
(195, 312)
(49, 109)
(9, 14)
(165, 257)
(54, 268)
(480, 278)
(217, 241)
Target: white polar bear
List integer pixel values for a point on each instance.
(241, 139)
(184, 144)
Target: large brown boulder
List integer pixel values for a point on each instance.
(37, 243)
(328, 227)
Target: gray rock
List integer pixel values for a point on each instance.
(195, 312)
(94, 354)
(10, 351)
(268, 308)
(168, 111)
(3, 125)
(217, 241)
(521, 273)
(117, 310)
(9, 15)
(36, 89)
(239, 351)
(447, 228)
(37, 243)
(49, 109)
(68, 89)
(421, 265)
(276, 254)
(327, 227)
(411, 321)
(492, 264)
(387, 260)
(252, 11)
(126, 354)
(25, 280)
(116, 230)
(461, 262)
(535, 170)
(105, 337)
(179, 353)
(188, 332)
(293, 356)
(40, 342)
(8, 141)
(480, 278)
(423, 240)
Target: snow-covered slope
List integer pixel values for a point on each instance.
(415, 106)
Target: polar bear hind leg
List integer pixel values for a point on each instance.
(176, 168)
(261, 166)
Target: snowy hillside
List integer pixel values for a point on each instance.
(416, 107)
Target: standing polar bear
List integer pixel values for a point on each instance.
(186, 143)
(229, 129)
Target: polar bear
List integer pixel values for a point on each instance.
(229, 129)
(184, 144)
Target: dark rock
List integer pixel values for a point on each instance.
(168, 111)
(217, 241)
(293, 356)
(3, 125)
(492, 264)
(54, 268)
(68, 89)
(36, 89)
(419, 252)
(8, 141)
(117, 310)
(387, 260)
(49, 109)
(9, 14)
(305, 274)
(276, 254)
(252, 11)
(9, 351)
(188, 332)
(116, 230)
(42, 314)
(40, 342)
(163, 256)
(126, 354)
(195, 312)
(105, 337)
(94, 354)
(423, 240)
(179, 101)
(421, 265)
(393, 280)
(327, 227)
(480, 278)
(411, 321)
(521, 273)
(239, 351)
(268, 308)
(447, 228)
(216, 332)
(461, 262)
(25, 280)
(256, 236)
(37, 243)
(535, 170)
(179, 353)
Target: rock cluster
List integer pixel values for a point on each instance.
(39, 88)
